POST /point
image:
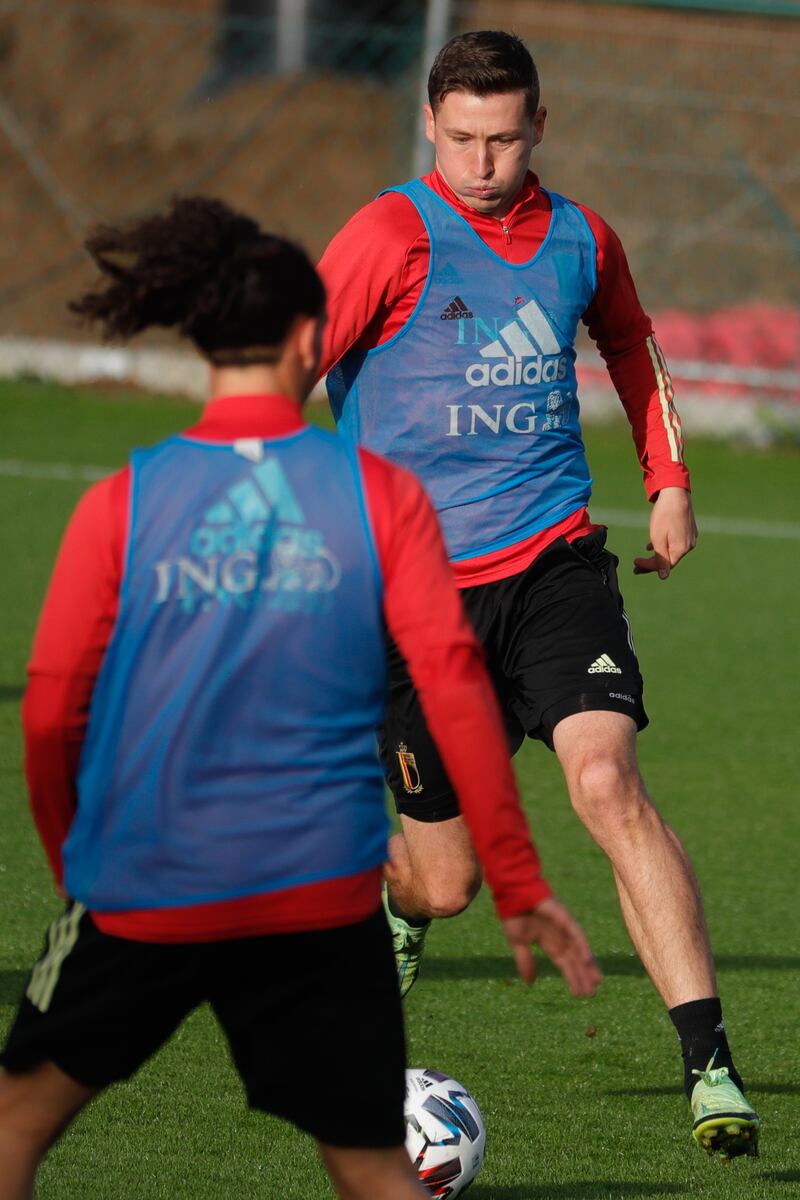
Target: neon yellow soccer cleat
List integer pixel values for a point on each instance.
(724, 1122)
(408, 942)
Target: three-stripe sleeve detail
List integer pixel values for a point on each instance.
(666, 396)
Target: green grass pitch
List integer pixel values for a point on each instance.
(582, 1099)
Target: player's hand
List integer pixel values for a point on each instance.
(551, 926)
(673, 532)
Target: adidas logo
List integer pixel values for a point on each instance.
(252, 548)
(604, 665)
(263, 494)
(526, 351)
(528, 335)
(455, 310)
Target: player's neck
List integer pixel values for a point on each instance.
(259, 379)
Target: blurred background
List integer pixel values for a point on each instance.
(676, 121)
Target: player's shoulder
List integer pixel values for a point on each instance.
(100, 517)
(111, 492)
(390, 216)
(106, 502)
(600, 227)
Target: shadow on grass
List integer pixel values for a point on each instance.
(580, 1189)
(497, 966)
(775, 1177)
(753, 1088)
(11, 985)
(10, 692)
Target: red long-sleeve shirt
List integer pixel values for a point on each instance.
(428, 623)
(374, 272)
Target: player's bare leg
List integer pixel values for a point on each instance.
(432, 869)
(372, 1174)
(663, 912)
(432, 872)
(658, 891)
(35, 1107)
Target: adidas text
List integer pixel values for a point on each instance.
(512, 372)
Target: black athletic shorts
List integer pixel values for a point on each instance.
(558, 642)
(313, 1020)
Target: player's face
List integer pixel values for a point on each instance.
(483, 145)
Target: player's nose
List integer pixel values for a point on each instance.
(484, 167)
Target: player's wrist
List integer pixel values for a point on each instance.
(522, 899)
(674, 483)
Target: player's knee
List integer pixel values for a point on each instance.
(607, 793)
(449, 896)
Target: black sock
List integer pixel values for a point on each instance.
(701, 1030)
(414, 922)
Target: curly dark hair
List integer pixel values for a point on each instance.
(483, 63)
(209, 271)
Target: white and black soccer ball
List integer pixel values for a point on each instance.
(445, 1134)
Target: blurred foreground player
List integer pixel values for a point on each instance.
(207, 675)
(454, 302)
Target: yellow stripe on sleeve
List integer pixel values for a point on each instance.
(666, 395)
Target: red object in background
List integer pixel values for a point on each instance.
(748, 352)
(752, 335)
(748, 347)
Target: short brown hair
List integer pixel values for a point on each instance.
(483, 63)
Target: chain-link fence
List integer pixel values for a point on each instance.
(679, 128)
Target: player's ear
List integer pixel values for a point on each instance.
(307, 334)
(538, 124)
(430, 123)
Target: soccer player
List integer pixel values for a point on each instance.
(206, 679)
(453, 307)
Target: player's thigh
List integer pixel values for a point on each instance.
(572, 649)
(415, 773)
(99, 1006)
(304, 1013)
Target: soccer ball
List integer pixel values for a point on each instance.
(445, 1134)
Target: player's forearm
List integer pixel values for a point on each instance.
(465, 722)
(642, 380)
(71, 637)
(623, 333)
(53, 725)
(425, 616)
